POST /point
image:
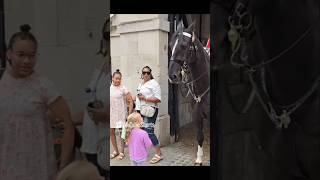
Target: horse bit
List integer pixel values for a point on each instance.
(240, 25)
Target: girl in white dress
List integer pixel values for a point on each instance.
(119, 95)
(26, 142)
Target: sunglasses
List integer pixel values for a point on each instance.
(145, 72)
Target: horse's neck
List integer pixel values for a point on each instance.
(289, 72)
(200, 72)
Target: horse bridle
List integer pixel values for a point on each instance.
(185, 72)
(240, 26)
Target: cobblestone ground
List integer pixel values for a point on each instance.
(181, 153)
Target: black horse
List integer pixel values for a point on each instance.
(189, 66)
(268, 94)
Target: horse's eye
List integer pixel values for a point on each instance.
(179, 62)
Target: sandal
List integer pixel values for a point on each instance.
(120, 156)
(114, 154)
(156, 158)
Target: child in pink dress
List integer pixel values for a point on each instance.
(137, 139)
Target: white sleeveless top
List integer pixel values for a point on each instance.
(91, 132)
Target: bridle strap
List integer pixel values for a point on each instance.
(190, 85)
(174, 46)
(283, 52)
(242, 29)
(196, 98)
(198, 78)
(187, 34)
(239, 44)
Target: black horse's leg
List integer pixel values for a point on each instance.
(200, 137)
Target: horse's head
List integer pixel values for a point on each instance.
(181, 46)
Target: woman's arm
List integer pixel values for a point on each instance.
(133, 97)
(149, 99)
(61, 111)
(153, 100)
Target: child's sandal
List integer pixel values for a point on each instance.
(120, 156)
(114, 154)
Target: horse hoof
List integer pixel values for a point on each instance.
(197, 164)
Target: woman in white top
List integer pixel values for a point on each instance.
(149, 93)
(94, 120)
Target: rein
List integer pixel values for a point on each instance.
(240, 26)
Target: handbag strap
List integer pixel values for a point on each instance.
(139, 87)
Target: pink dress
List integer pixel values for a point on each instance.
(26, 143)
(118, 107)
(138, 143)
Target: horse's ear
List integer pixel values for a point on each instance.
(193, 36)
(191, 27)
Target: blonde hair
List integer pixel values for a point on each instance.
(132, 121)
(79, 170)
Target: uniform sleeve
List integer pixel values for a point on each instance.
(156, 90)
(49, 93)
